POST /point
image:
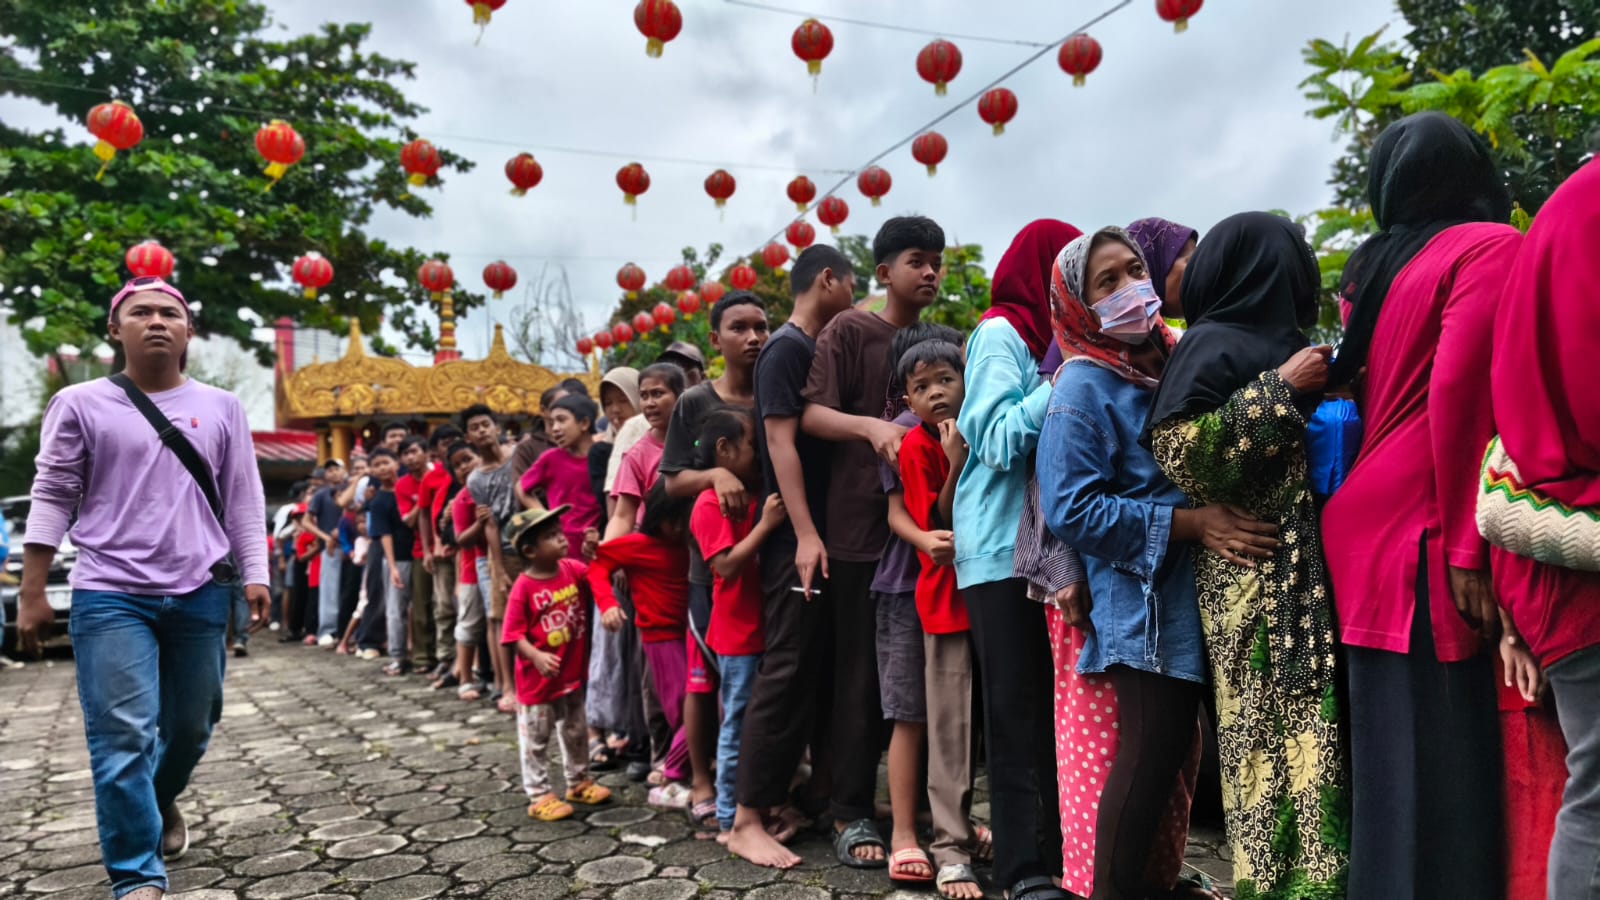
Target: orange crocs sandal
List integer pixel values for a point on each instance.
(589, 793)
(549, 808)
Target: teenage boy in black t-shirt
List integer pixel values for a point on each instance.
(738, 331)
(783, 713)
(390, 531)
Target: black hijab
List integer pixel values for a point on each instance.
(1428, 172)
(1248, 293)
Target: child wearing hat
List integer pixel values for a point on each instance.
(547, 628)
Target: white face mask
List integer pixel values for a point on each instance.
(1126, 314)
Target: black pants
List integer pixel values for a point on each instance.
(1426, 770)
(1013, 648)
(349, 595)
(858, 732)
(373, 632)
(791, 701)
(1157, 724)
(301, 595)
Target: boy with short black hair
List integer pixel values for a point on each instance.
(492, 487)
(848, 403)
(439, 559)
(547, 623)
(415, 463)
(388, 527)
(792, 694)
(931, 458)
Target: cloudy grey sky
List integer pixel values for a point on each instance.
(1192, 127)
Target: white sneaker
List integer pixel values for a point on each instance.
(272, 626)
(326, 641)
(669, 796)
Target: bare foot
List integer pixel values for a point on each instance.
(754, 844)
(722, 837)
(786, 824)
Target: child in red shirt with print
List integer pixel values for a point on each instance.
(547, 625)
(727, 440)
(931, 458)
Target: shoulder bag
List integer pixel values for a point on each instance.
(1515, 517)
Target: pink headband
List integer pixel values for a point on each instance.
(147, 283)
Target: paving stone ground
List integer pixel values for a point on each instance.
(326, 779)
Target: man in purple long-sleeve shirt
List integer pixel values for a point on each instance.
(149, 614)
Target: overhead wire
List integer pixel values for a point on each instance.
(885, 26)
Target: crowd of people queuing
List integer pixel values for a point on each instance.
(1078, 536)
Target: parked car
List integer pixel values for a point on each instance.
(57, 592)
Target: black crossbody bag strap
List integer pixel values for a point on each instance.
(177, 443)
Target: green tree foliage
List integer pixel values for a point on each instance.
(203, 76)
(1518, 73)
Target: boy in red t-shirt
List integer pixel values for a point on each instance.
(547, 626)
(931, 458)
(727, 441)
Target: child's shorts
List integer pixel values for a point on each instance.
(699, 681)
(900, 658)
(470, 624)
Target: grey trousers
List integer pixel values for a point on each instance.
(1575, 852)
(397, 603)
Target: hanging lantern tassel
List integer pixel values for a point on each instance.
(480, 17)
(275, 172)
(106, 153)
(311, 293)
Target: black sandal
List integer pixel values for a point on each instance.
(1040, 887)
(860, 833)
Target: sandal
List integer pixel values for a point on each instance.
(470, 692)
(588, 793)
(860, 833)
(448, 680)
(703, 815)
(506, 704)
(982, 844)
(602, 757)
(397, 668)
(1040, 887)
(549, 808)
(668, 796)
(959, 873)
(901, 861)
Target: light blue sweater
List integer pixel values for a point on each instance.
(1000, 419)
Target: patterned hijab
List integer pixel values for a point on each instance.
(1162, 242)
(1078, 330)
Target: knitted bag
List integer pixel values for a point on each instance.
(1517, 518)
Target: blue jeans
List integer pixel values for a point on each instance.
(738, 679)
(1575, 853)
(397, 603)
(328, 595)
(150, 683)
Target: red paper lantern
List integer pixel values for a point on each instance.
(664, 315)
(421, 161)
(282, 147)
(775, 255)
(832, 212)
(585, 346)
(435, 275)
(499, 277)
(659, 21)
(874, 182)
(633, 180)
(680, 279)
(802, 191)
(1178, 12)
(525, 173)
(929, 149)
(743, 277)
(149, 260)
(939, 63)
(800, 234)
(812, 42)
(720, 185)
(689, 303)
(622, 334)
(1079, 55)
(997, 107)
(482, 11)
(313, 273)
(711, 292)
(642, 322)
(116, 127)
(631, 278)
(603, 340)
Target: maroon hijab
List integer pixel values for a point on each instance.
(1020, 293)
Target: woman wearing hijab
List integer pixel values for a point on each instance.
(1089, 727)
(1103, 494)
(1545, 347)
(1228, 425)
(1167, 247)
(1000, 420)
(1410, 573)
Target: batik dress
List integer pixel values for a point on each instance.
(1270, 637)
